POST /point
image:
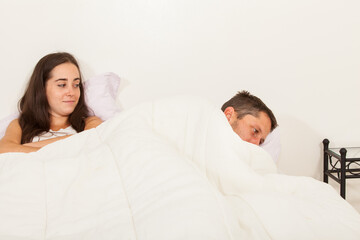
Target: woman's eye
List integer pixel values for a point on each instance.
(76, 85)
(61, 85)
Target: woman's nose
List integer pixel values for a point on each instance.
(70, 90)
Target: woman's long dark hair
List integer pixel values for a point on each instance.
(34, 107)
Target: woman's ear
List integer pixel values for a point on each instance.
(229, 111)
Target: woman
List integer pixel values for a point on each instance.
(52, 108)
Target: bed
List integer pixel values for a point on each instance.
(166, 169)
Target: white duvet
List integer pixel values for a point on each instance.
(169, 169)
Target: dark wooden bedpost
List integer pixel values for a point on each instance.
(326, 160)
(343, 171)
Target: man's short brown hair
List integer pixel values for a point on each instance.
(245, 103)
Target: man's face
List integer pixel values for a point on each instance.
(250, 128)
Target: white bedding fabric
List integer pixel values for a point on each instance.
(169, 169)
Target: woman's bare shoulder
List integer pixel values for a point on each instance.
(14, 124)
(92, 122)
(13, 131)
(11, 142)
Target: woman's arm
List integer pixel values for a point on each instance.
(11, 142)
(43, 143)
(90, 122)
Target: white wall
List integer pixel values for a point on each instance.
(301, 57)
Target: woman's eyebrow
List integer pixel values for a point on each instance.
(65, 79)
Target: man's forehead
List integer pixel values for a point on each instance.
(264, 122)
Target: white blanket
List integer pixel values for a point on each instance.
(169, 169)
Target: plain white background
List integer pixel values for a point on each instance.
(301, 57)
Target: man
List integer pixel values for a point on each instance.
(251, 119)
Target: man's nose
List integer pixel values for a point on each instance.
(255, 141)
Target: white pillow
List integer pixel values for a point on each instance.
(100, 95)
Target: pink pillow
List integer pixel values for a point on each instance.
(100, 96)
(272, 144)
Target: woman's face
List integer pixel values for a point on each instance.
(63, 89)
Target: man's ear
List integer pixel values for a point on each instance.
(229, 111)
